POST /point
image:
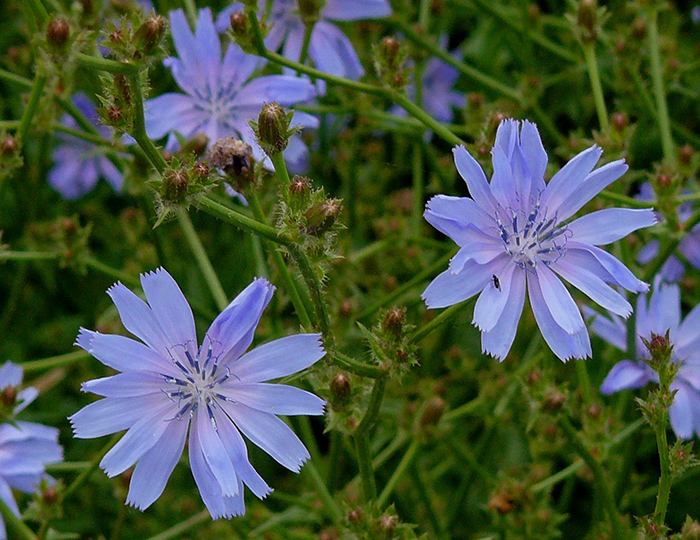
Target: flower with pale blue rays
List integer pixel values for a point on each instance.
(79, 164)
(658, 314)
(689, 247)
(514, 237)
(25, 448)
(329, 48)
(168, 385)
(220, 98)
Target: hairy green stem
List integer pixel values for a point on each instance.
(286, 275)
(209, 205)
(593, 74)
(358, 368)
(200, 255)
(658, 87)
(361, 436)
(601, 477)
(102, 64)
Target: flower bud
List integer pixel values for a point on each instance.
(123, 91)
(114, 114)
(175, 184)
(553, 401)
(389, 48)
(433, 411)
(149, 35)
(9, 146)
(691, 530)
(9, 396)
(240, 24)
(201, 170)
(309, 10)
(685, 154)
(388, 523)
(49, 495)
(501, 503)
(300, 186)
(321, 217)
(272, 128)
(340, 388)
(620, 122)
(394, 321)
(58, 32)
(587, 19)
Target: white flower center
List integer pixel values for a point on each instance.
(531, 239)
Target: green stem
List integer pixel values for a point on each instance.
(29, 256)
(286, 275)
(463, 410)
(281, 169)
(361, 436)
(624, 199)
(200, 255)
(314, 286)
(418, 113)
(665, 479)
(358, 368)
(440, 320)
(431, 47)
(241, 221)
(658, 87)
(400, 470)
(308, 30)
(108, 271)
(15, 524)
(54, 361)
(83, 476)
(592, 66)
(67, 466)
(34, 97)
(599, 474)
(177, 530)
(191, 10)
(139, 127)
(329, 502)
(584, 380)
(418, 189)
(410, 284)
(102, 64)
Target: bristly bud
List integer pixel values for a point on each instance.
(58, 33)
(235, 159)
(433, 411)
(272, 128)
(553, 401)
(201, 170)
(501, 503)
(49, 495)
(661, 350)
(388, 523)
(389, 58)
(690, 530)
(149, 35)
(389, 48)
(310, 9)
(122, 89)
(394, 321)
(9, 146)
(242, 32)
(300, 186)
(620, 121)
(175, 184)
(587, 18)
(340, 388)
(321, 217)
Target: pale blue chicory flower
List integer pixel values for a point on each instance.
(660, 313)
(689, 247)
(79, 164)
(513, 234)
(329, 48)
(25, 448)
(219, 98)
(168, 384)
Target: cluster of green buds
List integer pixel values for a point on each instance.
(389, 62)
(390, 343)
(655, 407)
(116, 102)
(134, 40)
(180, 184)
(370, 522)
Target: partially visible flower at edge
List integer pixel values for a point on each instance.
(79, 164)
(658, 314)
(513, 236)
(217, 100)
(168, 384)
(329, 48)
(25, 447)
(689, 247)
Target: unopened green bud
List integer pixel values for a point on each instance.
(175, 184)
(587, 18)
(321, 217)
(389, 49)
(149, 35)
(272, 128)
(58, 32)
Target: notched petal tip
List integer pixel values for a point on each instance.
(84, 338)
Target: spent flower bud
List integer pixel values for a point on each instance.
(300, 186)
(235, 158)
(340, 388)
(394, 321)
(149, 35)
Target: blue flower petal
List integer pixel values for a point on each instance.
(279, 358)
(472, 173)
(275, 398)
(609, 225)
(10, 375)
(449, 288)
(155, 466)
(569, 178)
(215, 453)
(614, 270)
(559, 302)
(686, 405)
(281, 88)
(593, 184)
(169, 306)
(352, 10)
(333, 52)
(627, 375)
